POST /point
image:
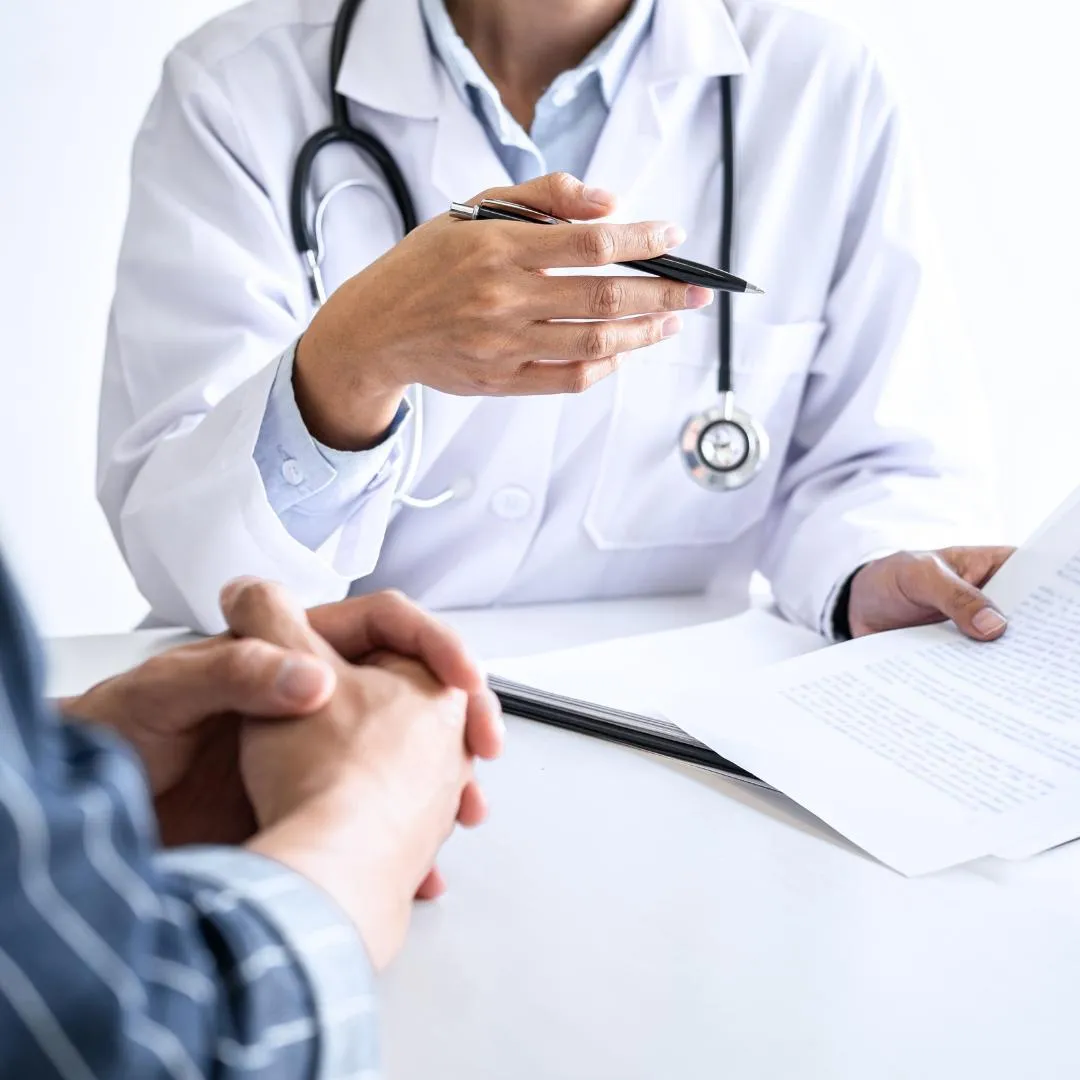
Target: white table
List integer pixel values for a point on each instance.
(625, 917)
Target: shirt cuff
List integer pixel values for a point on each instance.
(840, 592)
(296, 467)
(318, 935)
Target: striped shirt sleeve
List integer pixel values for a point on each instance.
(117, 961)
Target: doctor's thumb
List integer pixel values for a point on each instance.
(560, 194)
(965, 604)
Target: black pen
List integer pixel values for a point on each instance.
(665, 266)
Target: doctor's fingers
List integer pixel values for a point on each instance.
(559, 193)
(590, 245)
(594, 341)
(589, 297)
(582, 354)
(929, 580)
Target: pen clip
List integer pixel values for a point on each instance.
(503, 208)
(526, 213)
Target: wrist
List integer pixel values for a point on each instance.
(345, 401)
(349, 857)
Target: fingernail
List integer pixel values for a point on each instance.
(231, 589)
(672, 325)
(674, 235)
(598, 196)
(699, 297)
(301, 679)
(988, 622)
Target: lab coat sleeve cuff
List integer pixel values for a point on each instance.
(827, 622)
(295, 467)
(814, 607)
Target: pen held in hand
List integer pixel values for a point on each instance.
(666, 266)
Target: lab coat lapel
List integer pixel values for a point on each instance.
(389, 66)
(631, 138)
(463, 164)
(463, 161)
(690, 41)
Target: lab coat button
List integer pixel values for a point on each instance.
(292, 472)
(511, 503)
(463, 487)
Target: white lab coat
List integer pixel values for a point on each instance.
(869, 407)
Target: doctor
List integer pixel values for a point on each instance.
(534, 458)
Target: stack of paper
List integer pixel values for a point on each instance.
(922, 747)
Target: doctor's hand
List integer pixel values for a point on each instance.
(467, 308)
(914, 589)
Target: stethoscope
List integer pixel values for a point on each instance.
(722, 447)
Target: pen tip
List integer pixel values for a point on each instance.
(754, 289)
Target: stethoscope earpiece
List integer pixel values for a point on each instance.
(723, 448)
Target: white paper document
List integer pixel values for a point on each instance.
(922, 747)
(637, 673)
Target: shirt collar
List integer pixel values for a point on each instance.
(609, 61)
(389, 64)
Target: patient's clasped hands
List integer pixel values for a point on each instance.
(338, 741)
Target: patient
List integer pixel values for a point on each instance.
(119, 961)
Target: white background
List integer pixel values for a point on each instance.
(992, 95)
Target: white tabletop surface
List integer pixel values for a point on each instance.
(625, 917)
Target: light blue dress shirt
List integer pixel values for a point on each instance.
(313, 488)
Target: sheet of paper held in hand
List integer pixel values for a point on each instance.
(926, 749)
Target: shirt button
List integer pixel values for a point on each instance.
(292, 472)
(511, 503)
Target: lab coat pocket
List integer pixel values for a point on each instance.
(643, 497)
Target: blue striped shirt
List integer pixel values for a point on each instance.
(116, 961)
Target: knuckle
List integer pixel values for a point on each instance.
(609, 297)
(152, 672)
(922, 562)
(580, 379)
(963, 599)
(492, 251)
(492, 296)
(255, 599)
(596, 245)
(390, 601)
(587, 375)
(597, 341)
(675, 298)
(487, 353)
(238, 661)
(652, 331)
(651, 239)
(562, 184)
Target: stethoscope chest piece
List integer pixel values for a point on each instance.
(723, 448)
